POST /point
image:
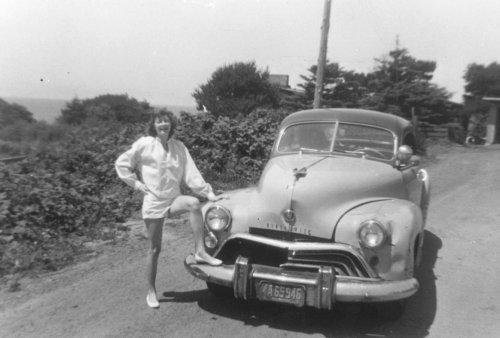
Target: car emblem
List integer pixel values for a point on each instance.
(289, 216)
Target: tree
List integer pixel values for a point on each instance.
(236, 89)
(482, 80)
(400, 66)
(400, 83)
(11, 113)
(341, 88)
(107, 107)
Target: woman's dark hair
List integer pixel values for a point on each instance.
(156, 114)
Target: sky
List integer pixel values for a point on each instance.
(162, 50)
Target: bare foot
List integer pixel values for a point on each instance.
(204, 258)
(152, 300)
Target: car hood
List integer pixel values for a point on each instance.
(329, 187)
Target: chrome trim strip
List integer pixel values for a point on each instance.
(335, 130)
(299, 266)
(282, 278)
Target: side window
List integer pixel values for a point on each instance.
(409, 140)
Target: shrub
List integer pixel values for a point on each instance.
(226, 149)
(107, 107)
(67, 192)
(67, 188)
(13, 113)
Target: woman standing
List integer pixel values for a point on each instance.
(163, 163)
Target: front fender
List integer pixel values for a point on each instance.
(403, 222)
(238, 203)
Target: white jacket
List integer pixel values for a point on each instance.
(162, 172)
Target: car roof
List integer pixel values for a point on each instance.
(370, 117)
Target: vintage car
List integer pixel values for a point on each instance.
(337, 216)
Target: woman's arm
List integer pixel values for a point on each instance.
(127, 162)
(193, 179)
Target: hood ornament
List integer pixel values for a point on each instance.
(299, 173)
(289, 216)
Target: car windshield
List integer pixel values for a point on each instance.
(345, 138)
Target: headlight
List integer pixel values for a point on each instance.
(210, 240)
(371, 234)
(217, 218)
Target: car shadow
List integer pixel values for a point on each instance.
(183, 296)
(344, 319)
(421, 308)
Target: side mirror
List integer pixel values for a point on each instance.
(405, 158)
(404, 155)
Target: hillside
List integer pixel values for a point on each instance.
(49, 109)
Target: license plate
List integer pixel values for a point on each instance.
(281, 293)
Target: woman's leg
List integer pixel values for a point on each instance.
(154, 227)
(192, 205)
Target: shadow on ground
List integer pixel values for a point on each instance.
(344, 320)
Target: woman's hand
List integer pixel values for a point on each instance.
(214, 198)
(143, 188)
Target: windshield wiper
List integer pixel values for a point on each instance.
(302, 172)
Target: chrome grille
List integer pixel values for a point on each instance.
(343, 262)
(258, 253)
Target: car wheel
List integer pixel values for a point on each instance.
(220, 291)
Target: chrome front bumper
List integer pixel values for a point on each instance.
(323, 288)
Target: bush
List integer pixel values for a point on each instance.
(228, 150)
(21, 138)
(236, 89)
(32, 132)
(69, 188)
(120, 108)
(14, 113)
(67, 192)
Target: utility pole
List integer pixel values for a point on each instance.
(325, 26)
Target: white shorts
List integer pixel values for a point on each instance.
(153, 207)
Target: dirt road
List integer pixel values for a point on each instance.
(459, 295)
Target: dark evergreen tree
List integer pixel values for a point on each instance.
(401, 84)
(341, 88)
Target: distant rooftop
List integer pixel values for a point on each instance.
(281, 80)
